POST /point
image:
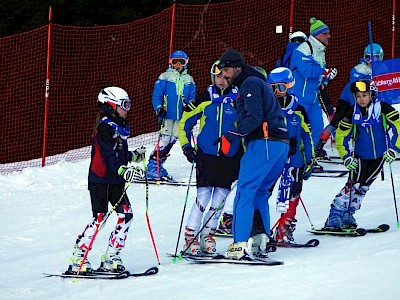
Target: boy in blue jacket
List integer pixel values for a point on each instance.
(173, 90)
(366, 123)
(301, 153)
(360, 71)
(214, 174)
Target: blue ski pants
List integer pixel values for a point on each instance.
(260, 166)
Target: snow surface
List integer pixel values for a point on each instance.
(44, 209)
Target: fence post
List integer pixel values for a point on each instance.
(46, 94)
(171, 41)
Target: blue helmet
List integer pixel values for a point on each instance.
(377, 52)
(178, 57)
(281, 80)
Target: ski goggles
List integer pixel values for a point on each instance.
(361, 86)
(125, 104)
(178, 62)
(375, 57)
(298, 39)
(281, 87)
(215, 70)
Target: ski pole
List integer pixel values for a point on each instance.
(147, 212)
(158, 154)
(305, 210)
(186, 198)
(184, 209)
(271, 231)
(100, 226)
(390, 171)
(219, 207)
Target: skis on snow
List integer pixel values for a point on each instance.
(222, 259)
(310, 244)
(106, 275)
(351, 232)
(165, 182)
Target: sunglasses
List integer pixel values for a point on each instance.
(178, 62)
(375, 57)
(281, 87)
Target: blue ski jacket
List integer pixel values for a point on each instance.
(172, 91)
(370, 140)
(217, 116)
(307, 67)
(257, 104)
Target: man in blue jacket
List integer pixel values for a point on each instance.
(260, 122)
(310, 71)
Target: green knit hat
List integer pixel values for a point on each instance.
(317, 27)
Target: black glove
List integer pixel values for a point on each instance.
(293, 146)
(308, 167)
(297, 186)
(161, 112)
(190, 154)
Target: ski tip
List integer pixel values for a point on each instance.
(380, 228)
(124, 274)
(384, 227)
(151, 271)
(313, 243)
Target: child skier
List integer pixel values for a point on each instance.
(301, 153)
(367, 123)
(108, 173)
(214, 173)
(172, 92)
(360, 71)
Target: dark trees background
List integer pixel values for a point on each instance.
(24, 15)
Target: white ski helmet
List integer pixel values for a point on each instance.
(110, 97)
(298, 36)
(214, 71)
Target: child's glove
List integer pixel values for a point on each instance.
(130, 173)
(308, 170)
(161, 112)
(190, 154)
(351, 163)
(139, 154)
(390, 155)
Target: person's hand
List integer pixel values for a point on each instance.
(130, 173)
(308, 170)
(190, 154)
(225, 142)
(390, 155)
(351, 163)
(138, 154)
(161, 112)
(330, 73)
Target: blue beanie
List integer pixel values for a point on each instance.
(317, 27)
